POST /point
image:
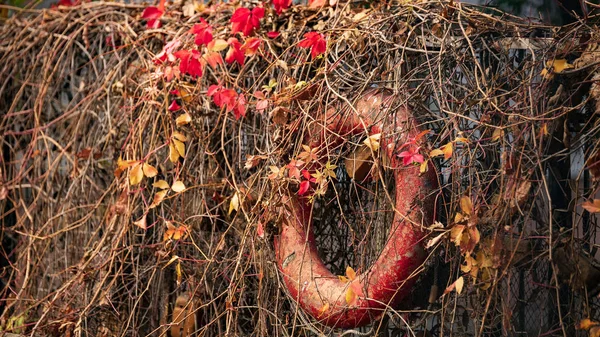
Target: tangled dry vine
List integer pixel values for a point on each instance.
(148, 153)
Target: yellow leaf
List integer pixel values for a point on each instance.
(424, 166)
(136, 174)
(163, 185)
(149, 170)
(183, 119)
(141, 223)
(173, 259)
(447, 150)
(324, 309)
(470, 263)
(180, 147)
(173, 153)
(234, 204)
(459, 284)
(350, 273)
(158, 198)
(586, 324)
(456, 234)
(179, 232)
(483, 260)
(344, 279)
(373, 142)
(458, 218)
(350, 296)
(180, 136)
(436, 152)
(125, 164)
(465, 205)
(592, 206)
(217, 45)
(178, 186)
(497, 134)
(178, 272)
(462, 140)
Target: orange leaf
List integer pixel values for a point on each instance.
(350, 273)
(149, 170)
(456, 234)
(180, 136)
(344, 279)
(324, 309)
(447, 150)
(136, 174)
(592, 206)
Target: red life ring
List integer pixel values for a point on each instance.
(390, 278)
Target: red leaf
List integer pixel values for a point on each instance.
(190, 62)
(167, 53)
(174, 106)
(154, 24)
(213, 59)
(273, 34)
(260, 231)
(222, 97)
(411, 156)
(281, 5)
(203, 32)
(304, 186)
(316, 42)
(68, 3)
(240, 107)
(235, 53)
(245, 21)
(251, 45)
(152, 13)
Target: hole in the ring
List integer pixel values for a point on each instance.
(352, 221)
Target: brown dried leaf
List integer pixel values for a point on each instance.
(141, 223)
(183, 119)
(465, 205)
(592, 206)
(158, 198)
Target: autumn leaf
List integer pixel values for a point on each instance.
(276, 173)
(174, 106)
(316, 42)
(217, 45)
(350, 273)
(136, 174)
(190, 62)
(309, 154)
(178, 186)
(152, 16)
(316, 3)
(456, 285)
(253, 160)
(149, 170)
(158, 198)
(245, 20)
(424, 167)
(411, 155)
(234, 204)
(203, 32)
(324, 309)
(329, 170)
(173, 153)
(163, 185)
(260, 230)
(351, 296)
(592, 206)
(555, 67)
(213, 59)
(343, 279)
(304, 186)
(251, 46)
(465, 205)
(273, 34)
(281, 5)
(141, 223)
(183, 119)
(235, 53)
(372, 142)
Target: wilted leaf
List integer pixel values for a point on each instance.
(592, 206)
(435, 240)
(260, 230)
(497, 134)
(183, 119)
(465, 205)
(158, 198)
(276, 172)
(149, 170)
(372, 142)
(359, 164)
(163, 185)
(456, 234)
(424, 166)
(459, 284)
(350, 273)
(141, 223)
(178, 186)
(178, 272)
(234, 204)
(136, 174)
(253, 160)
